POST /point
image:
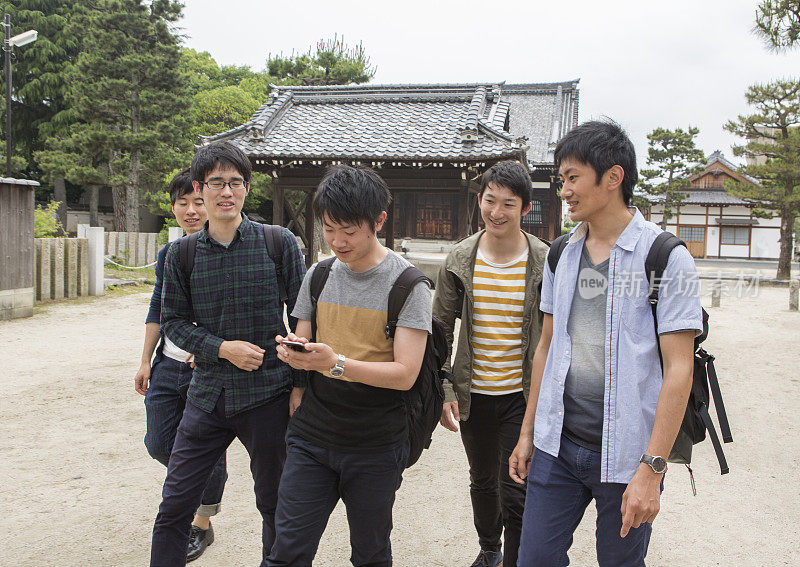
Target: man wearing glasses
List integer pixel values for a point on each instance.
(224, 312)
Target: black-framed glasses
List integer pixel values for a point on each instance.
(218, 184)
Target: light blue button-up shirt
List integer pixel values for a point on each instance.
(632, 368)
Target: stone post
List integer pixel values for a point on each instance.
(794, 291)
(716, 294)
(96, 235)
(175, 232)
(82, 230)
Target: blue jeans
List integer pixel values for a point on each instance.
(559, 490)
(314, 479)
(164, 403)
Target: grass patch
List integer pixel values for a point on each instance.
(147, 274)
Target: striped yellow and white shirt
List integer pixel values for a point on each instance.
(499, 293)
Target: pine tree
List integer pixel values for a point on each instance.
(128, 99)
(773, 152)
(674, 158)
(778, 23)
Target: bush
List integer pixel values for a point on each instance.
(45, 221)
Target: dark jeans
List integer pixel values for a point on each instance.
(490, 435)
(559, 490)
(202, 438)
(164, 404)
(313, 481)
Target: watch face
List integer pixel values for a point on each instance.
(336, 372)
(659, 464)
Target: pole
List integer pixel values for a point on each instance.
(8, 93)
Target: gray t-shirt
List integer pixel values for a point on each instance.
(585, 383)
(351, 317)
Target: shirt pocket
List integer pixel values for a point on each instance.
(637, 316)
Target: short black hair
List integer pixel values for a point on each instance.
(222, 154)
(601, 144)
(511, 174)
(351, 195)
(180, 185)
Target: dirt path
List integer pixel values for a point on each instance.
(80, 489)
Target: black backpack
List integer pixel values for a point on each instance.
(425, 399)
(187, 246)
(696, 421)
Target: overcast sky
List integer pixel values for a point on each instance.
(645, 64)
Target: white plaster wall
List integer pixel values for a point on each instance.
(734, 251)
(765, 242)
(712, 241)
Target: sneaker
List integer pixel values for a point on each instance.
(489, 559)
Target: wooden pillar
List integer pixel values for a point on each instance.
(463, 227)
(277, 202)
(311, 246)
(390, 225)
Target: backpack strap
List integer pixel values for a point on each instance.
(458, 311)
(318, 278)
(716, 393)
(398, 295)
(556, 249)
(187, 246)
(656, 262)
(273, 236)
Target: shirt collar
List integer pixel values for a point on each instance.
(627, 240)
(241, 230)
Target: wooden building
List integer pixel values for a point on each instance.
(431, 143)
(717, 225)
(16, 247)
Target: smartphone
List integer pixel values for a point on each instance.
(294, 345)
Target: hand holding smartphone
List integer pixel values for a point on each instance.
(294, 345)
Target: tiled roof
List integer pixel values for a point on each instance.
(701, 197)
(409, 122)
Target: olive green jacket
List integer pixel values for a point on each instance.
(460, 263)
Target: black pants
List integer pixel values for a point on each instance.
(490, 435)
(201, 439)
(314, 480)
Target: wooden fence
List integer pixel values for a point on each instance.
(16, 247)
(61, 268)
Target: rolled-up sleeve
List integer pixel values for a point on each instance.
(679, 295)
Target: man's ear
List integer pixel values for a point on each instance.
(615, 175)
(379, 221)
(526, 209)
(197, 187)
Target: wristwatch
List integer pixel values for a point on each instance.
(658, 464)
(337, 370)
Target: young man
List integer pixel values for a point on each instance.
(169, 376)
(500, 271)
(224, 314)
(348, 439)
(602, 415)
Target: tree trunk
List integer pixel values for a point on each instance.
(118, 197)
(60, 196)
(785, 257)
(94, 202)
(132, 194)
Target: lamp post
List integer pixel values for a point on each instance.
(18, 40)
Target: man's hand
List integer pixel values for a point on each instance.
(449, 419)
(318, 356)
(189, 360)
(242, 354)
(519, 463)
(641, 500)
(142, 378)
(294, 399)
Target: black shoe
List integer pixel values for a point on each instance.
(198, 541)
(489, 559)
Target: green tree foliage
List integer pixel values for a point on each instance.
(128, 98)
(39, 86)
(772, 150)
(332, 62)
(674, 158)
(45, 221)
(778, 23)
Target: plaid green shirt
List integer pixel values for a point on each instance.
(234, 295)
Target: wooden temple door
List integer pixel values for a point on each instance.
(695, 239)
